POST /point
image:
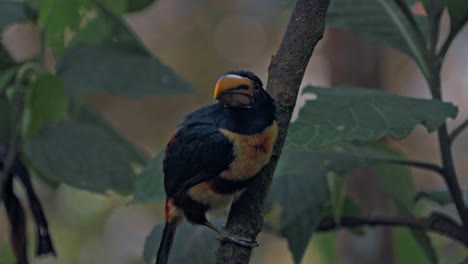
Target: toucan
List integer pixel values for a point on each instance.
(215, 153)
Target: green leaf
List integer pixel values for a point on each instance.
(349, 208)
(442, 197)
(6, 253)
(7, 77)
(192, 244)
(397, 182)
(149, 186)
(406, 249)
(11, 12)
(384, 22)
(89, 116)
(120, 70)
(351, 113)
(5, 121)
(65, 22)
(81, 155)
(122, 66)
(458, 11)
(46, 102)
(326, 245)
(465, 261)
(337, 191)
(138, 5)
(301, 176)
(302, 179)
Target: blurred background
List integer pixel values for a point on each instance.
(201, 40)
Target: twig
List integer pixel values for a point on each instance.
(436, 223)
(286, 71)
(450, 175)
(418, 164)
(457, 131)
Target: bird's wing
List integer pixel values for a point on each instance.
(196, 153)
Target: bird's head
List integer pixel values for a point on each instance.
(240, 89)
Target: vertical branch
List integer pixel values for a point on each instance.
(286, 70)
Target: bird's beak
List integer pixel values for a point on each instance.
(234, 91)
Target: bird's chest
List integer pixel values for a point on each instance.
(251, 152)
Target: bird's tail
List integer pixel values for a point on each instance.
(166, 242)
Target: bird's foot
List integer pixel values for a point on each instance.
(225, 236)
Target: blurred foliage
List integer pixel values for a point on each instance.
(64, 141)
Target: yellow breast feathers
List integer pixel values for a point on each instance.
(251, 152)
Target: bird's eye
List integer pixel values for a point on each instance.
(256, 87)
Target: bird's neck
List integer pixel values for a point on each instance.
(248, 120)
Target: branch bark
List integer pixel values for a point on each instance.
(436, 223)
(285, 73)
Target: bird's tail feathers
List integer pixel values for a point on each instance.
(166, 242)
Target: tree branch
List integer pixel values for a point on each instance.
(436, 223)
(305, 29)
(417, 164)
(457, 131)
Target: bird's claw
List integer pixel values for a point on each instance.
(245, 242)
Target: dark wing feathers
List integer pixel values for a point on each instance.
(197, 152)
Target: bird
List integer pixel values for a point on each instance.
(215, 153)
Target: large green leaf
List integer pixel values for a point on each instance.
(81, 155)
(397, 182)
(458, 11)
(123, 71)
(120, 65)
(301, 176)
(138, 5)
(192, 244)
(406, 249)
(302, 179)
(46, 102)
(6, 77)
(149, 186)
(351, 113)
(380, 20)
(65, 22)
(89, 116)
(337, 191)
(10, 12)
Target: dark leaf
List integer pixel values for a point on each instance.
(81, 155)
(117, 69)
(6, 77)
(46, 102)
(86, 115)
(397, 182)
(406, 248)
(458, 11)
(192, 244)
(138, 5)
(337, 193)
(383, 22)
(351, 113)
(68, 22)
(5, 120)
(149, 186)
(10, 12)
(120, 64)
(301, 176)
